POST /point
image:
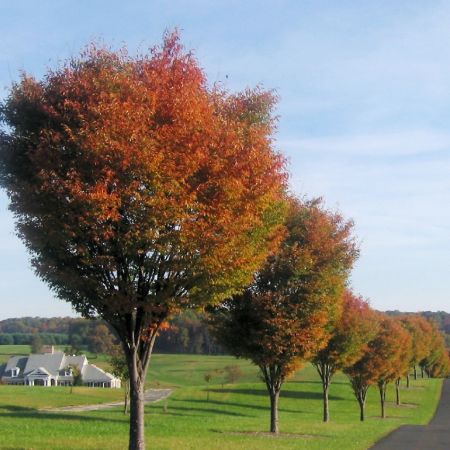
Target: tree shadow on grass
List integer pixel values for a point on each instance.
(306, 395)
(238, 405)
(21, 412)
(206, 411)
(271, 435)
(317, 382)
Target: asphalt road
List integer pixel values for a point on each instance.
(434, 436)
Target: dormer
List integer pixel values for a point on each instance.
(15, 372)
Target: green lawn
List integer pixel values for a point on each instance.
(233, 418)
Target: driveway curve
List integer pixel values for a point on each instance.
(434, 436)
(150, 396)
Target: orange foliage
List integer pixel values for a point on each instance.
(133, 183)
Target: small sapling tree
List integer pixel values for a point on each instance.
(119, 368)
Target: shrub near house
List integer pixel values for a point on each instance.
(55, 369)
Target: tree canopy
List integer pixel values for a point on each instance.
(139, 189)
(281, 317)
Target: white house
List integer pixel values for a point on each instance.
(55, 369)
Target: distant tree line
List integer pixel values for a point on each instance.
(187, 333)
(440, 318)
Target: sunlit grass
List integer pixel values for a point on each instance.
(235, 417)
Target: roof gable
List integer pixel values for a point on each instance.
(51, 361)
(39, 371)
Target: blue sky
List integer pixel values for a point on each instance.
(364, 116)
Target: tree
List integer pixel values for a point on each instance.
(233, 374)
(36, 344)
(436, 352)
(281, 316)
(139, 190)
(100, 339)
(351, 333)
(420, 330)
(380, 362)
(390, 356)
(119, 369)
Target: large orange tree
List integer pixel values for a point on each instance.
(139, 189)
(282, 316)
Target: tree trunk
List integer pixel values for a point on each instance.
(397, 391)
(137, 435)
(361, 396)
(325, 372)
(421, 370)
(274, 412)
(361, 409)
(326, 410)
(127, 397)
(415, 372)
(382, 387)
(138, 358)
(407, 381)
(273, 377)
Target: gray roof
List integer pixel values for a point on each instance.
(54, 364)
(93, 373)
(16, 361)
(51, 361)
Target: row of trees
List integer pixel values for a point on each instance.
(140, 190)
(299, 309)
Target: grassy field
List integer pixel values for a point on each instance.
(235, 417)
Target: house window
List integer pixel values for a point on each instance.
(15, 372)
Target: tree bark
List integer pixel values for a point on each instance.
(397, 391)
(325, 372)
(326, 409)
(361, 409)
(137, 434)
(274, 427)
(272, 375)
(415, 372)
(382, 387)
(137, 342)
(407, 381)
(127, 396)
(362, 393)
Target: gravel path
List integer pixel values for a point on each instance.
(150, 396)
(434, 436)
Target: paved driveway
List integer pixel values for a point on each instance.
(150, 396)
(434, 436)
